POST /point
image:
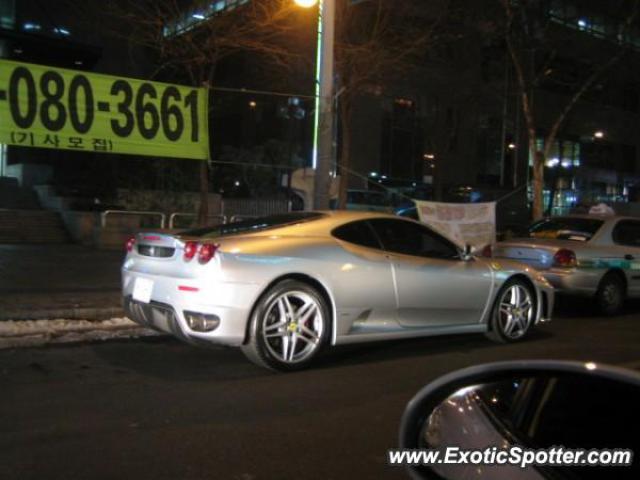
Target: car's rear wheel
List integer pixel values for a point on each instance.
(514, 312)
(289, 326)
(611, 294)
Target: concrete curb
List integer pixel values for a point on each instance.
(71, 313)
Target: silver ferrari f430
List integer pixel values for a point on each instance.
(285, 286)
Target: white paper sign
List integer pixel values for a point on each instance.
(464, 223)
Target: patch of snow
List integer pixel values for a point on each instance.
(31, 333)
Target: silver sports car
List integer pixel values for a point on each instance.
(283, 287)
(588, 255)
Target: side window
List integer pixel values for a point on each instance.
(413, 239)
(627, 232)
(358, 233)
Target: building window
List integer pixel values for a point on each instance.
(577, 15)
(629, 159)
(564, 153)
(196, 15)
(599, 155)
(7, 14)
(31, 27)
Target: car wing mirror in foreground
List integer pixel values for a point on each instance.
(524, 420)
(467, 252)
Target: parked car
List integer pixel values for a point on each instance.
(587, 255)
(283, 287)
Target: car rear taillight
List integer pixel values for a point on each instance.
(190, 250)
(487, 251)
(565, 258)
(131, 241)
(206, 253)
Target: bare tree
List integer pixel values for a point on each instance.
(189, 40)
(376, 41)
(532, 50)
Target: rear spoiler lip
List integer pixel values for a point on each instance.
(159, 238)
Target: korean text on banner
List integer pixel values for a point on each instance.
(52, 107)
(465, 223)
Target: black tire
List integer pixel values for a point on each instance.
(496, 332)
(256, 348)
(611, 294)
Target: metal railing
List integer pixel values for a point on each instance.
(239, 218)
(253, 208)
(106, 213)
(250, 208)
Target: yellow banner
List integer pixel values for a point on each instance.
(51, 107)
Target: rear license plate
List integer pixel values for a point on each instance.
(142, 289)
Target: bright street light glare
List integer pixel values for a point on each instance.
(306, 3)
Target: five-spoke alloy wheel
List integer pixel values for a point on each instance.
(514, 312)
(289, 326)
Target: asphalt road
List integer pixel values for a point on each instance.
(163, 410)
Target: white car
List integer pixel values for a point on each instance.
(586, 255)
(283, 287)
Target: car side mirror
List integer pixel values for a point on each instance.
(528, 409)
(467, 253)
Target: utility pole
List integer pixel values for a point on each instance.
(323, 150)
(505, 109)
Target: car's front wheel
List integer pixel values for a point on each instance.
(514, 312)
(289, 326)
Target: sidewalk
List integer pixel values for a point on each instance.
(61, 294)
(59, 281)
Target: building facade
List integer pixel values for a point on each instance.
(455, 122)
(459, 121)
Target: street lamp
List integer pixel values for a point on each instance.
(323, 118)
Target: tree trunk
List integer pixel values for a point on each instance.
(526, 85)
(552, 191)
(538, 176)
(537, 210)
(345, 150)
(437, 181)
(548, 145)
(203, 210)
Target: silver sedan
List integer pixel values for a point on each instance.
(587, 255)
(283, 287)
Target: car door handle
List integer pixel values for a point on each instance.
(628, 256)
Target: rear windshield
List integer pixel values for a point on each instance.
(566, 228)
(254, 225)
